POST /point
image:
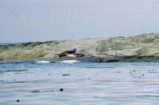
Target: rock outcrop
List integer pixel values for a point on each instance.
(143, 47)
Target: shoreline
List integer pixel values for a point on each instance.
(139, 48)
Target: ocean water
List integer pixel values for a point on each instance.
(78, 83)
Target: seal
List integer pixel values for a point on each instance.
(71, 54)
(67, 53)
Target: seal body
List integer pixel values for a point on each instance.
(71, 51)
(71, 54)
(62, 55)
(67, 53)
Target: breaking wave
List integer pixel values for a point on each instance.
(69, 61)
(42, 62)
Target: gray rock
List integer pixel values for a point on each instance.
(143, 47)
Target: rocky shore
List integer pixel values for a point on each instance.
(143, 47)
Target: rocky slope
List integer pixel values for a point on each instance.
(143, 47)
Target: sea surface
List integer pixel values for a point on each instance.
(78, 83)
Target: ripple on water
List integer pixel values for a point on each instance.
(79, 83)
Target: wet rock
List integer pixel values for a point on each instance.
(66, 53)
(89, 78)
(1, 80)
(65, 74)
(35, 91)
(91, 59)
(113, 60)
(52, 91)
(61, 89)
(17, 100)
(49, 74)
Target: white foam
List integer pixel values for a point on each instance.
(69, 61)
(43, 62)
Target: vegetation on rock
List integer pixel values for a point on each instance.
(136, 48)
